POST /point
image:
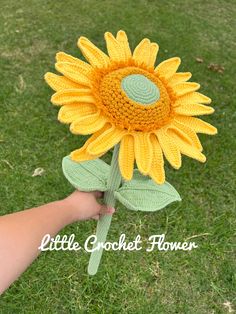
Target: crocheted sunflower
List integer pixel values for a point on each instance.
(123, 98)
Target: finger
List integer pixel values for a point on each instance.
(96, 217)
(97, 194)
(106, 210)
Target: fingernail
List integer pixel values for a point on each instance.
(111, 210)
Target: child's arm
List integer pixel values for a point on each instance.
(21, 233)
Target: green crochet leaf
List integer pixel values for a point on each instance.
(142, 193)
(87, 175)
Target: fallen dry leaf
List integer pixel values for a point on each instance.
(228, 306)
(199, 60)
(216, 67)
(21, 86)
(38, 172)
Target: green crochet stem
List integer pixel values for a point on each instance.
(104, 222)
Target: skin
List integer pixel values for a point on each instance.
(21, 233)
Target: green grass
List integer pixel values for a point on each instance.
(195, 282)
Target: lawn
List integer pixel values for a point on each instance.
(200, 281)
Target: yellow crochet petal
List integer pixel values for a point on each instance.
(81, 154)
(68, 96)
(114, 48)
(154, 48)
(157, 172)
(194, 140)
(179, 77)
(106, 141)
(89, 124)
(74, 72)
(57, 82)
(185, 88)
(142, 52)
(186, 149)
(126, 157)
(193, 110)
(198, 125)
(169, 148)
(168, 67)
(124, 44)
(192, 98)
(94, 55)
(143, 151)
(84, 66)
(180, 133)
(70, 113)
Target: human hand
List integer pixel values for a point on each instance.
(84, 205)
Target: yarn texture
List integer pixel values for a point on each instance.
(146, 112)
(140, 89)
(123, 98)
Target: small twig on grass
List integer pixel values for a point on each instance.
(197, 235)
(7, 162)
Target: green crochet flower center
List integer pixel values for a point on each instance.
(140, 89)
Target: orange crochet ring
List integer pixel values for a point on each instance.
(126, 113)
